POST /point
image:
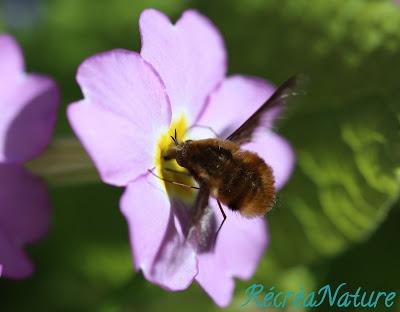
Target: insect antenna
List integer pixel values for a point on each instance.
(174, 138)
(204, 127)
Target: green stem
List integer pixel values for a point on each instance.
(64, 163)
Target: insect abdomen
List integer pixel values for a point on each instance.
(248, 185)
(239, 179)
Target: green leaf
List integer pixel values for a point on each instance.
(345, 182)
(346, 131)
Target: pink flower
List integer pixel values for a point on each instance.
(132, 104)
(28, 106)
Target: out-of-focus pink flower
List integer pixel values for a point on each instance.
(28, 109)
(132, 104)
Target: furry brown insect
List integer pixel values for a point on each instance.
(239, 179)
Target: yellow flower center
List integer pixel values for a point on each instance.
(169, 169)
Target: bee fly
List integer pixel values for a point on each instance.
(239, 179)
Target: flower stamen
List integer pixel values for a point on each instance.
(177, 181)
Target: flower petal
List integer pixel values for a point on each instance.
(236, 99)
(24, 217)
(15, 263)
(277, 153)
(120, 152)
(240, 246)
(11, 63)
(214, 280)
(189, 56)
(124, 111)
(27, 118)
(158, 249)
(123, 83)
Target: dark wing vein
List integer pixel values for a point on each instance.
(291, 87)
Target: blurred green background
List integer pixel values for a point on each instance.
(337, 220)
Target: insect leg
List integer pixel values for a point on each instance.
(224, 216)
(173, 182)
(178, 172)
(204, 127)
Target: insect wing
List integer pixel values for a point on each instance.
(291, 87)
(200, 203)
(202, 231)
